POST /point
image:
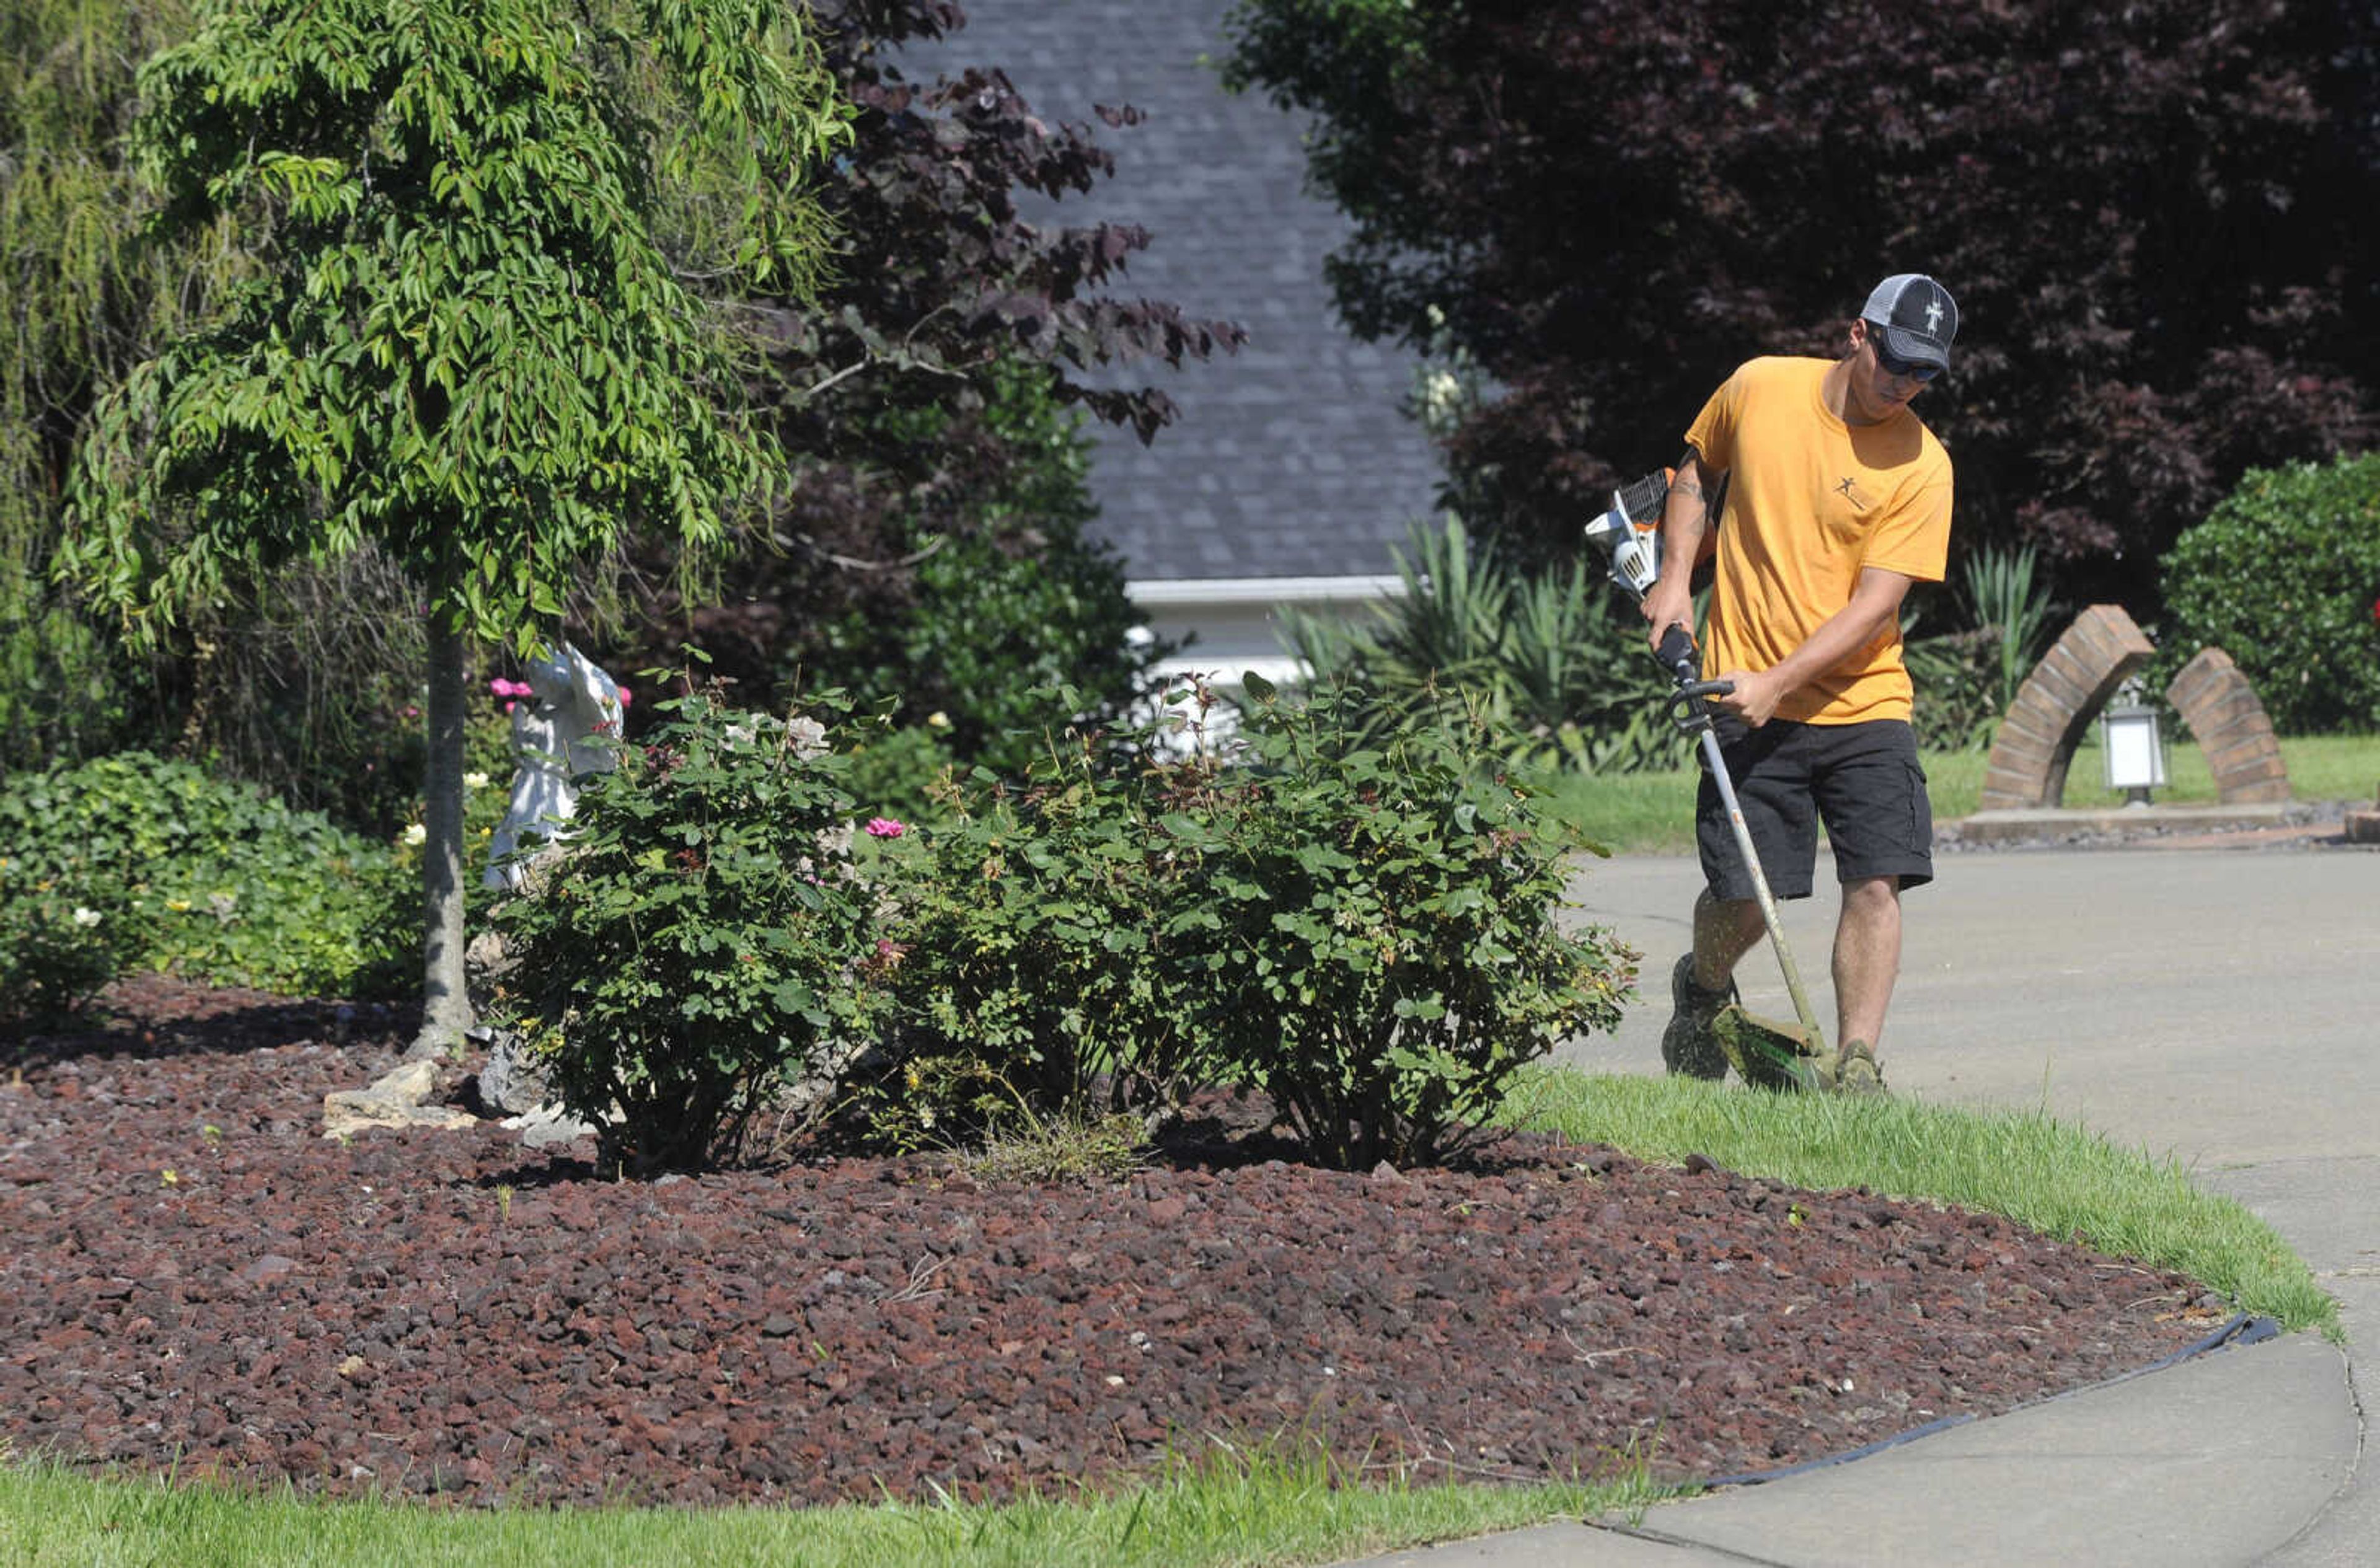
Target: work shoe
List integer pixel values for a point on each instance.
(1857, 1072)
(1687, 1045)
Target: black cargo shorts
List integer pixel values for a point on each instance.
(1863, 781)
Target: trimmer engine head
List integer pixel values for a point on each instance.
(1628, 533)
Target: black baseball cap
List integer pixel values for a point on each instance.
(1917, 317)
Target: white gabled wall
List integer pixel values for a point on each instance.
(1230, 625)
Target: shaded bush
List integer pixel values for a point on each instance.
(176, 869)
(1008, 596)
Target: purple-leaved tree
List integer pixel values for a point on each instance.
(2155, 218)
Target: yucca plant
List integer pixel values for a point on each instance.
(1553, 659)
(2002, 592)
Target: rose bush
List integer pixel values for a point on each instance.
(703, 951)
(1364, 930)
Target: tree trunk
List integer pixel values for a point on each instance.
(445, 1005)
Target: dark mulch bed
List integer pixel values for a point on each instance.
(197, 1279)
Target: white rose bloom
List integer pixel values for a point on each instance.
(416, 835)
(475, 781)
(83, 917)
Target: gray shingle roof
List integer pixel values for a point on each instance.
(1292, 457)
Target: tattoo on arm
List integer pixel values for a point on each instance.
(1682, 479)
(1686, 482)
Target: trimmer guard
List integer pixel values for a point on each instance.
(1769, 1054)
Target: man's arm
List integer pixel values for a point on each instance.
(1875, 604)
(1685, 518)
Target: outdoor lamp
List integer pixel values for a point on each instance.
(2130, 743)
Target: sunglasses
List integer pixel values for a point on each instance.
(1906, 369)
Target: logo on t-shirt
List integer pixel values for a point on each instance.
(1845, 489)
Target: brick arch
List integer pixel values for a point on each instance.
(2230, 725)
(2054, 708)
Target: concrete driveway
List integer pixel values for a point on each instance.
(2216, 1005)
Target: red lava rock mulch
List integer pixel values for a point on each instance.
(197, 1279)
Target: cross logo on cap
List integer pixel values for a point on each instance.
(1933, 315)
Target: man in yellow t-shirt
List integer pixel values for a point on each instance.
(1835, 499)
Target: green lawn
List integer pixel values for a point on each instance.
(1228, 1511)
(2052, 1176)
(1228, 1507)
(1653, 813)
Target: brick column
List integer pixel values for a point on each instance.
(2221, 709)
(2363, 827)
(2055, 705)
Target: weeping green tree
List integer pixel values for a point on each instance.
(77, 308)
(463, 342)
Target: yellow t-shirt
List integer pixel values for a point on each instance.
(1809, 502)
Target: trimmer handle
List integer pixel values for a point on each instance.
(1687, 709)
(1677, 655)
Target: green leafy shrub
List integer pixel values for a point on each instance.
(1054, 949)
(212, 880)
(2284, 576)
(703, 945)
(1364, 932)
(1385, 954)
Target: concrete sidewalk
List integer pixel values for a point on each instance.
(2220, 1006)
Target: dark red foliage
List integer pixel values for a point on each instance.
(2155, 218)
(879, 390)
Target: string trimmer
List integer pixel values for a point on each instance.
(1762, 1051)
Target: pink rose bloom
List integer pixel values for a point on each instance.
(885, 827)
(624, 697)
